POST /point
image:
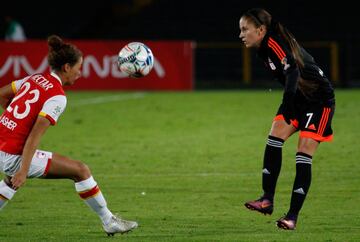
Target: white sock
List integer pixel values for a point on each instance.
(92, 196)
(6, 193)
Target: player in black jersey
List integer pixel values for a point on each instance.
(307, 106)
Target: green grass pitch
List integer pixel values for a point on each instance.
(182, 164)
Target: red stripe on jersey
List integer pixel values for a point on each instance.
(52, 121)
(323, 121)
(277, 45)
(276, 48)
(90, 193)
(276, 51)
(326, 118)
(47, 168)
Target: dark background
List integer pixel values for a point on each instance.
(200, 21)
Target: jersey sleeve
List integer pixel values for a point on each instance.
(16, 85)
(288, 64)
(53, 108)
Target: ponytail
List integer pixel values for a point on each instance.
(290, 39)
(260, 17)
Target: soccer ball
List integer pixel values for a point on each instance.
(135, 59)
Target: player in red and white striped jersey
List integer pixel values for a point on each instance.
(31, 105)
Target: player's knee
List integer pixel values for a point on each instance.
(307, 148)
(281, 135)
(83, 171)
(281, 130)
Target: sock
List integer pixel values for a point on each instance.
(92, 196)
(271, 165)
(302, 182)
(6, 193)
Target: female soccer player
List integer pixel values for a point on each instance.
(307, 106)
(31, 105)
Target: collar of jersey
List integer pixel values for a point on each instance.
(56, 76)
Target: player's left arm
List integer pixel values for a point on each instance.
(31, 144)
(49, 114)
(290, 70)
(287, 64)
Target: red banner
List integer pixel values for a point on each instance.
(173, 66)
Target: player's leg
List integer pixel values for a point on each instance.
(85, 185)
(87, 188)
(6, 191)
(9, 165)
(315, 127)
(306, 149)
(39, 167)
(280, 131)
(60, 166)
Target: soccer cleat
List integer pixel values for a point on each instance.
(262, 205)
(118, 225)
(287, 222)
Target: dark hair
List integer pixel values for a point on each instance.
(61, 53)
(260, 17)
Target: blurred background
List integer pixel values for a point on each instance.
(220, 61)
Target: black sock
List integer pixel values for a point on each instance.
(302, 182)
(271, 165)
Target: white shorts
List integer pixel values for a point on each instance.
(40, 163)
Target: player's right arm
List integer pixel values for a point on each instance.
(6, 95)
(8, 92)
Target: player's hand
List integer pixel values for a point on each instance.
(289, 113)
(18, 179)
(288, 108)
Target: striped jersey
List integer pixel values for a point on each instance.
(309, 82)
(38, 94)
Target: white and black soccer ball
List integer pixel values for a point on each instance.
(135, 59)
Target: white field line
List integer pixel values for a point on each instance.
(215, 174)
(106, 99)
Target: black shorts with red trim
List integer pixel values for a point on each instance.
(312, 120)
